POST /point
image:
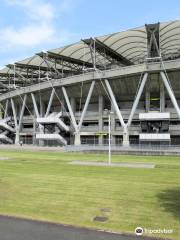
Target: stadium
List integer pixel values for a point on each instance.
(65, 96)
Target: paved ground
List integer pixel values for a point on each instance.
(20, 229)
(130, 165)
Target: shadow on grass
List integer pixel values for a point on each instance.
(170, 201)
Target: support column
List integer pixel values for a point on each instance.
(113, 123)
(73, 104)
(137, 98)
(147, 96)
(100, 117)
(171, 93)
(37, 115)
(86, 105)
(162, 97)
(125, 137)
(134, 107)
(34, 127)
(73, 107)
(118, 112)
(41, 127)
(15, 121)
(77, 134)
(50, 102)
(6, 108)
(77, 140)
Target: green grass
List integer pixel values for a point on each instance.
(42, 185)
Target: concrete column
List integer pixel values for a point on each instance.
(73, 104)
(147, 96)
(42, 113)
(42, 108)
(14, 109)
(125, 137)
(34, 127)
(113, 123)
(77, 139)
(100, 117)
(170, 92)
(73, 140)
(62, 106)
(162, 97)
(17, 138)
(1, 111)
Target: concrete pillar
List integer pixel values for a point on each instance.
(34, 127)
(113, 125)
(42, 108)
(17, 137)
(16, 124)
(42, 113)
(100, 117)
(147, 96)
(73, 104)
(125, 137)
(62, 106)
(162, 97)
(77, 139)
(1, 111)
(73, 139)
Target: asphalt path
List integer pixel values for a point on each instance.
(21, 229)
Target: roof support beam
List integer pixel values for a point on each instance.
(107, 74)
(171, 93)
(70, 59)
(6, 108)
(107, 52)
(35, 105)
(118, 112)
(70, 109)
(86, 105)
(153, 43)
(50, 102)
(137, 98)
(22, 111)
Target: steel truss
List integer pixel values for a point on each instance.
(52, 75)
(77, 125)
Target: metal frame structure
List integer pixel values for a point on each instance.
(58, 92)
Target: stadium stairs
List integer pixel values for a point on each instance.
(6, 130)
(52, 119)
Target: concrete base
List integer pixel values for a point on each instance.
(125, 139)
(77, 139)
(17, 140)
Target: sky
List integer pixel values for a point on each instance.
(30, 26)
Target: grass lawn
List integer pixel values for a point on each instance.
(42, 185)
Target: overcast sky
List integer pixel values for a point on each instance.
(30, 26)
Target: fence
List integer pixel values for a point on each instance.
(130, 148)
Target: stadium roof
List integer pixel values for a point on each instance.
(110, 51)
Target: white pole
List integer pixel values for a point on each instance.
(109, 161)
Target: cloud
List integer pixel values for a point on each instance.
(36, 10)
(38, 28)
(39, 24)
(27, 36)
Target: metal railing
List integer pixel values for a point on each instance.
(130, 148)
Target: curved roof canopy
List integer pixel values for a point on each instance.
(110, 51)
